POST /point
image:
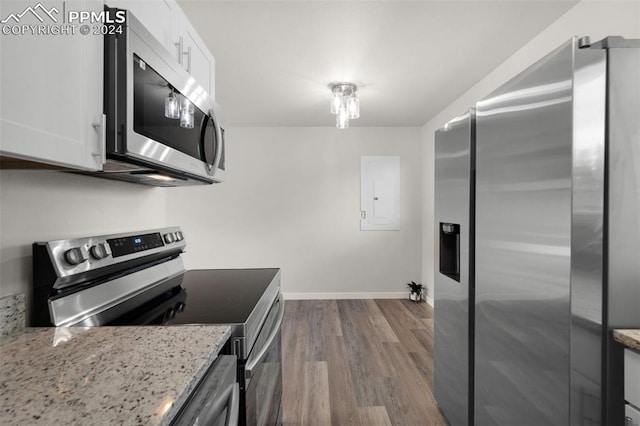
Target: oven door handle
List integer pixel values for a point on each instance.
(251, 365)
(230, 400)
(233, 410)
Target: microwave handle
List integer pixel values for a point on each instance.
(219, 141)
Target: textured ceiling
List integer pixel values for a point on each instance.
(275, 60)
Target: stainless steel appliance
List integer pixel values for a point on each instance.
(162, 127)
(138, 278)
(454, 288)
(557, 196)
(216, 399)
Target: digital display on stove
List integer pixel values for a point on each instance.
(127, 245)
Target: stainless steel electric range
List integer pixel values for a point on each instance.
(138, 278)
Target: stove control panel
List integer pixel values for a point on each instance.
(84, 255)
(123, 246)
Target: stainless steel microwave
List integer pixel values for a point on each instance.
(162, 127)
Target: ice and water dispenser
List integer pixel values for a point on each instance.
(450, 250)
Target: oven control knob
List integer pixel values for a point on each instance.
(76, 255)
(171, 313)
(169, 238)
(100, 251)
(180, 307)
(179, 236)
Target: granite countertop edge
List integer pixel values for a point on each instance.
(37, 363)
(195, 379)
(628, 337)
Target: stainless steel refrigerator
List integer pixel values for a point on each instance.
(557, 240)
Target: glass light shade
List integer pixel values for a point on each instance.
(353, 107)
(342, 119)
(171, 106)
(337, 102)
(186, 114)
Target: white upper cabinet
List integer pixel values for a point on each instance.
(50, 87)
(157, 16)
(168, 24)
(196, 57)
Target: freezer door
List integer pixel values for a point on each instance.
(523, 223)
(453, 287)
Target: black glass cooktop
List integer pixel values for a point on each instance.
(206, 296)
(222, 296)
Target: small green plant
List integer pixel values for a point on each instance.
(416, 288)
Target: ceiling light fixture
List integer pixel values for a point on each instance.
(345, 103)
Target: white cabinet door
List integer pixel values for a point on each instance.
(50, 87)
(197, 61)
(380, 193)
(157, 16)
(169, 25)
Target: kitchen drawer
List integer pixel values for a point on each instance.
(632, 416)
(632, 377)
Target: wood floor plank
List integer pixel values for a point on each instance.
(425, 337)
(402, 322)
(363, 369)
(334, 327)
(422, 365)
(416, 308)
(316, 408)
(373, 344)
(293, 366)
(358, 362)
(398, 403)
(316, 314)
(374, 416)
(405, 368)
(344, 410)
(379, 322)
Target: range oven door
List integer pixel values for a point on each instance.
(261, 377)
(216, 399)
(158, 116)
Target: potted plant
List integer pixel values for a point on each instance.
(415, 291)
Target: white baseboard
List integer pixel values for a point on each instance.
(331, 296)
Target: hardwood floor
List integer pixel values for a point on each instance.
(358, 362)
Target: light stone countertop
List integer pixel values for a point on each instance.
(629, 338)
(103, 375)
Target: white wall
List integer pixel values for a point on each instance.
(292, 200)
(593, 18)
(45, 205)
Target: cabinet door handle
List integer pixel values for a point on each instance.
(101, 153)
(180, 45)
(188, 53)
